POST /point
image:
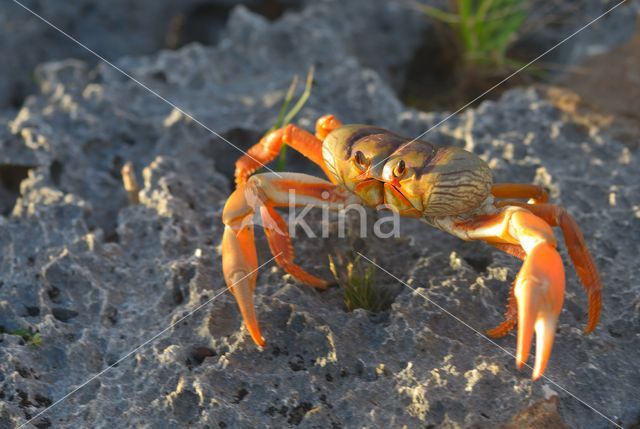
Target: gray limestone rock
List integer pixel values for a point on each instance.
(105, 283)
(124, 27)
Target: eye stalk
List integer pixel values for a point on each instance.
(400, 169)
(360, 160)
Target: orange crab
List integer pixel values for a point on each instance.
(446, 187)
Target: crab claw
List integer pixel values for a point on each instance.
(239, 269)
(539, 292)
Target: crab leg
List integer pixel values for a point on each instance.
(325, 125)
(556, 215)
(520, 190)
(260, 194)
(268, 148)
(539, 287)
(276, 230)
(510, 316)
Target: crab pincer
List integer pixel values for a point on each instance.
(539, 292)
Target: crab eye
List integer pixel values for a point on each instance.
(400, 169)
(360, 160)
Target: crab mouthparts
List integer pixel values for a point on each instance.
(385, 195)
(394, 198)
(370, 190)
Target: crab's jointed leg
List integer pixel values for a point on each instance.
(268, 148)
(510, 316)
(239, 258)
(556, 215)
(260, 194)
(520, 190)
(326, 124)
(539, 286)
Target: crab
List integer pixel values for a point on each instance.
(447, 187)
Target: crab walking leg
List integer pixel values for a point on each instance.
(299, 190)
(539, 288)
(511, 313)
(276, 230)
(268, 148)
(260, 194)
(510, 316)
(239, 258)
(556, 215)
(520, 190)
(325, 125)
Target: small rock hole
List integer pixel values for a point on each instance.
(64, 314)
(240, 395)
(33, 311)
(298, 412)
(297, 363)
(11, 176)
(199, 354)
(55, 171)
(478, 263)
(54, 294)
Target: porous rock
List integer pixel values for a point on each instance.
(96, 277)
(125, 27)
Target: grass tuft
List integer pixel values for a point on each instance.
(358, 282)
(484, 28)
(31, 337)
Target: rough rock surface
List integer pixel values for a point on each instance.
(97, 278)
(135, 27)
(126, 27)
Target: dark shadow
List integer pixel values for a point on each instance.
(205, 22)
(11, 175)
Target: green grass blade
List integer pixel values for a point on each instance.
(302, 100)
(507, 32)
(358, 282)
(285, 104)
(463, 8)
(282, 159)
(483, 9)
(480, 26)
(485, 28)
(438, 14)
(288, 117)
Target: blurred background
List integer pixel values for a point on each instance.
(451, 52)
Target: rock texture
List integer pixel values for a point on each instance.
(113, 29)
(125, 27)
(97, 278)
